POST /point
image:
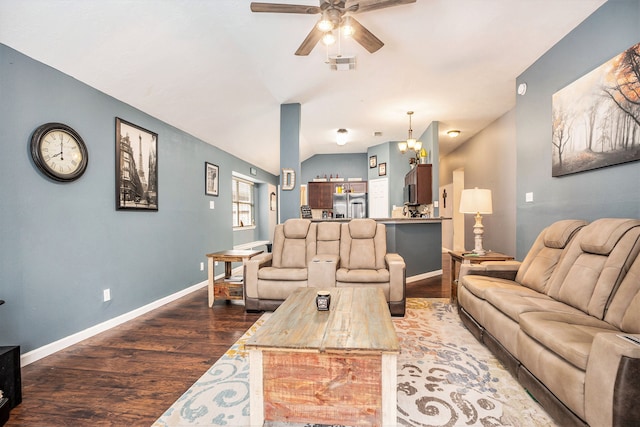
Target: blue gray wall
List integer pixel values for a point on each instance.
(62, 244)
(609, 192)
(345, 165)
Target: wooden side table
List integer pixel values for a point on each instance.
(468, 257)
(227, 287)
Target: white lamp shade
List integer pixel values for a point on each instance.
(476, 200)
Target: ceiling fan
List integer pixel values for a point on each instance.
(334, 13)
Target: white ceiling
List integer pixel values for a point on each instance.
(220, 72)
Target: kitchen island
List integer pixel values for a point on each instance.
(417, 240)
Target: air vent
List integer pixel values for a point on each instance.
(342, 63)
(377, 133)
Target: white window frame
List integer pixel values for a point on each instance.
(237, 203)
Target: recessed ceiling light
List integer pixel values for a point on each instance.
(453, 133)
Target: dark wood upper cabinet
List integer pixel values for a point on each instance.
(420, 177)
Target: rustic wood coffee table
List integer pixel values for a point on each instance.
(326, 367)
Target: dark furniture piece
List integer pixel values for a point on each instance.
(10, 379)
(420, 178)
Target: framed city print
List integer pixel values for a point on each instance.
(211, 174)
(136, 167)
(382, 169)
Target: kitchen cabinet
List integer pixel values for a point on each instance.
(420, 177)
(320, 194)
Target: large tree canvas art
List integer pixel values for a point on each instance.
(596, 119)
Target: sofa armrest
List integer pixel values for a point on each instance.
(498, 269)
(397, 279)
(611, 386)
(322, 271)
(251, 267)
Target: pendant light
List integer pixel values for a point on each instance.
(411, 141)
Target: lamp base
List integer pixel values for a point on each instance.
(478, 231)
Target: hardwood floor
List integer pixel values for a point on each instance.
(129, 375)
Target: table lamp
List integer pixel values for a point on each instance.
(476, 201)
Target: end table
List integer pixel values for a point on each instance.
(228, 287)
(469, 257)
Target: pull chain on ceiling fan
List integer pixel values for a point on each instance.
(333, 15)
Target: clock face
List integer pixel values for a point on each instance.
(59, 152)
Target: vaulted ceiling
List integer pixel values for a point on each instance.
(218, 71)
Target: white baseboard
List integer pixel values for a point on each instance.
(65, 342)
(423, 276)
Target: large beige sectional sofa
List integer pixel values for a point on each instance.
(556, 319)
(324, 255)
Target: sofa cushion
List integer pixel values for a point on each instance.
(568, 335)
(587, 280)
(296, 228)
(478, 285)
(602, 235)
(542, 258)
(558, 234)
(328, 238)
(363, 229)
(513, 304)
(362, 275)
(293, 243)
(274, 273)
(363, 245)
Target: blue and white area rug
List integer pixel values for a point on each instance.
(445, 378)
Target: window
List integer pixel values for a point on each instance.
(242, 203)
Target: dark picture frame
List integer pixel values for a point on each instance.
(136, 167)
(382, 169)
(211, 179)
(373, 162)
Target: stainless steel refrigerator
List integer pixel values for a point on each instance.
(350, 205)
(340, 205)
(357, 205)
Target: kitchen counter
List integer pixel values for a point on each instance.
(389, 220)
(418, 240)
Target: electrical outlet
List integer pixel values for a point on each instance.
(202, 266)
(106, 294)
(212, 204)
(528, 197)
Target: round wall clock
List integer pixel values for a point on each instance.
(59, 152)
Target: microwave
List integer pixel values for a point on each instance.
(409, 194)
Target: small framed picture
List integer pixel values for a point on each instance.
(211, 179)
(382, 169)
(373, 161)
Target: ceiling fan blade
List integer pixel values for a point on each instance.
(365, 37)
(310, 42)
(284, 8)
(369, 5)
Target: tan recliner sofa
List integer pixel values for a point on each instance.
(324, 255)
(557, 323)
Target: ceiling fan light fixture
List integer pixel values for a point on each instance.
(325, 23)
(328, 39)
(347, 27)
(341, 136)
